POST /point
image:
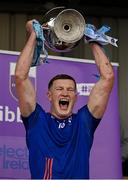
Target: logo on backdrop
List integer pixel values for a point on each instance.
(12, 85)
(84, 89)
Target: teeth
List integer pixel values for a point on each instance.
(63, 101)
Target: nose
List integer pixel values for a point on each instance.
(64, 92)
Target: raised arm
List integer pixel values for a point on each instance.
(100, 93)
(25, 90)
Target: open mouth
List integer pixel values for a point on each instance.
(63, 103)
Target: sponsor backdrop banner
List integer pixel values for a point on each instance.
(105, 160)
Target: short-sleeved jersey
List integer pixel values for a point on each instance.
(59, 149)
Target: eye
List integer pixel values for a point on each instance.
(71, 90)
(59, 88)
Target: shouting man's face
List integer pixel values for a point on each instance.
(62, 96)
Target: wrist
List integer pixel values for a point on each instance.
(94, 43)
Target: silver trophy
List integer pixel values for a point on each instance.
(63, 29)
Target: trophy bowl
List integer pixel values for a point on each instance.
(63, 29)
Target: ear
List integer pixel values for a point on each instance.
(76, 96)
(49, 95)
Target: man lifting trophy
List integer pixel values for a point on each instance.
(60, 141)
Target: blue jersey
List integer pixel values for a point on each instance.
(59, 149)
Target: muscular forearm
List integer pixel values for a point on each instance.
(25, 58)
(25, 91)
(103, 63)
(100, 93)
